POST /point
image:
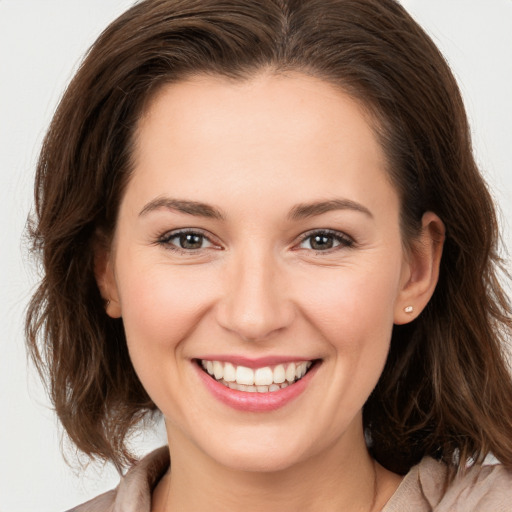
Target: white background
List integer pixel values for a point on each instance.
(41, 42)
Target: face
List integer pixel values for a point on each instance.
(258, 239)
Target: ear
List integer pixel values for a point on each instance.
(420, 272)
(105, 278)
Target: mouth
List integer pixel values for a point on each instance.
(266, 379)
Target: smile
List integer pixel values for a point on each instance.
(266, 379)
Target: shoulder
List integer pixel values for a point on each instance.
(102, 503)
(133, 494)
(480, 488)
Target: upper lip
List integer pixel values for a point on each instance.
(250, 362)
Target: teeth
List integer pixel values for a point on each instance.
(263, 376)
(244, 375)
(253, 389)
(290, 372)
(279, 374)
(301, 369)
(261, 380)
(218, 370)
(229, 372)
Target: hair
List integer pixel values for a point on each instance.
(446, 389)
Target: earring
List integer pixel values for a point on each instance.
(107, 303)
(408, 310)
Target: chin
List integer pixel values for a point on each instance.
(258, 461)
(257, 453)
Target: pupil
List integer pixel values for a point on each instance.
(322, 242)
(191, 241)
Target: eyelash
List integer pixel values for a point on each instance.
(340, 239)
(343, 241)
(166, 240)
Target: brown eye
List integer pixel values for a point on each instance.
(325, 240)
(191, 241)
(185, 241)
(321, 242)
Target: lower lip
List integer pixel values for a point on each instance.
(255, 402)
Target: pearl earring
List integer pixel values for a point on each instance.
(408, 310)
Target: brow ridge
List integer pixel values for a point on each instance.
(194, 208)
(298, 212)
(305, 210)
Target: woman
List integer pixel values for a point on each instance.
(264, 220)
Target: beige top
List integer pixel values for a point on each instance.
(481, 489)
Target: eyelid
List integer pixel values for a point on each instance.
(345, 241)
(165, 240)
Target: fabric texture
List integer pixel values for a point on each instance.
(481, 489)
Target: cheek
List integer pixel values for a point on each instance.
(351, 303)
(353, 313)
(161, 304)
(161, 307)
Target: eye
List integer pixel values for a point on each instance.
(186, 241)
(325, 240)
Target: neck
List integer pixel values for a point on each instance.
(343, 477)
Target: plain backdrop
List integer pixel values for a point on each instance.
(41, 43)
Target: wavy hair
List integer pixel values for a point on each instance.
(446, 390)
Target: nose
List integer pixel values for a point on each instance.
(255, 304)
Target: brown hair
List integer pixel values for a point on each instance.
(445, 390)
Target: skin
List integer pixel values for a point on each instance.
(254, 150)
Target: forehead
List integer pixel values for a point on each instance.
(264, 95)
(210, 134)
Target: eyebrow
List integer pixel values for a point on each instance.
(188, 207)
(298, 212)
(305, 210)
